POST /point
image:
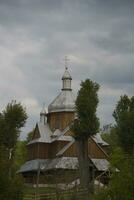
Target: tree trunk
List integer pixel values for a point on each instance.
(82, 151)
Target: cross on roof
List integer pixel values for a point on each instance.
(66, 59)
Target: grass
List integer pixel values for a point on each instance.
(59, 194)
(41, 190)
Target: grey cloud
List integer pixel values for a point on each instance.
(36, 35)
(116, 74)
(119, 40)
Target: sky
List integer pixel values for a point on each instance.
(97, 36)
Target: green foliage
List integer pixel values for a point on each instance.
(117, 158)
(87, 123)
(10, 189)
(112, 139)
(29, 136)
(122, 183)
(20, 153)
(12, 119)
(11, 186)
(16, 188)
(121, 138)
(124, 117)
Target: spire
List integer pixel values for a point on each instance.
(43, 115)
(66, 78)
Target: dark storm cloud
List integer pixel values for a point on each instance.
(36, 35)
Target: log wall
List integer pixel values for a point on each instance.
(60, 120)
(44, 150)
(95, 151)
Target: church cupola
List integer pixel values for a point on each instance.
(65, 101)
(61, 109)
(66, 80)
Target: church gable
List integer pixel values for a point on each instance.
(95, 150)
(36, 133)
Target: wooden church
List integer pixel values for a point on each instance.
(52, 154)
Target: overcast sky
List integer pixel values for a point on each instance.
(35, 35)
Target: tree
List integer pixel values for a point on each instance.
(85, 125)
(121, 186)
(12, 119)
(20, 153)
(112, 139)
(21, 150)
(30, 136)
(124, 117)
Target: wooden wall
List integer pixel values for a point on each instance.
(69, 133)
(52, 176)
(95, 151)
(71, 152)
(44, 150)
(60, 120)
(57, 146)
(38, 150)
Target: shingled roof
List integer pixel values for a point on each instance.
(60, 163)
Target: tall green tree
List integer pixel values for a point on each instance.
(121, 185)
(85, 125)
(12, 119)
(124, 117)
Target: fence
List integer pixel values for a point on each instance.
(78, 194)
